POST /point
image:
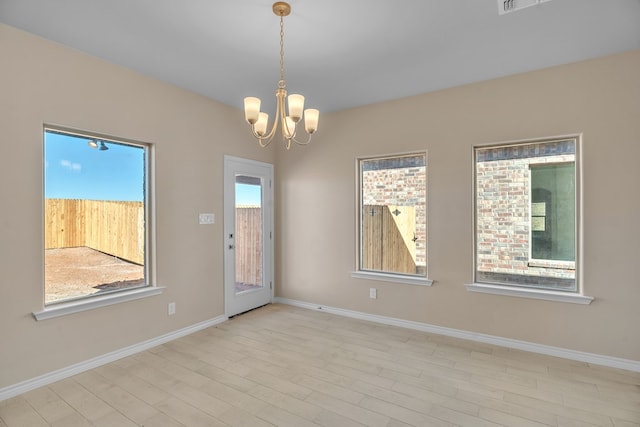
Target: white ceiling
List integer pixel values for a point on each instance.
(338, 54)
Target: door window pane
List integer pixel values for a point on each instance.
(249, 239)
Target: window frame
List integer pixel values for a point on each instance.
(523, 290)
(150, 287)
(387, 276)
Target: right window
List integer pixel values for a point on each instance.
(526, 214)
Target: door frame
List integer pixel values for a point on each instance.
(232, 166)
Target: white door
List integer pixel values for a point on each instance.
(248, 228)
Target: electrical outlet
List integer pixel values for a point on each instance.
(171, 309)
(373, 293)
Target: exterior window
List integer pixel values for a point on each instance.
(95, 216)
(553, 212)
(393, 214)
(526, 214)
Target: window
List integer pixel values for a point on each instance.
(553, 213)
(526, 215)
(393, 215)
(96, 210)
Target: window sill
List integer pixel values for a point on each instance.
(389, 277)
(63, 309)
(558, 265)
(529, 293)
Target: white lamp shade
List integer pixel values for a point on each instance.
(288, 127)
(261, 124)
(296, 105)
(251, 109)
(311, 117)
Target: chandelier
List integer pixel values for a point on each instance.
(295, 103)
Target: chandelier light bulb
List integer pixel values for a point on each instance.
(251, 109)
(311, 116)
(260, 126)
(296, 106)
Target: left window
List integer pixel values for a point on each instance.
(96, 210)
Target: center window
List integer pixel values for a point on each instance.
(393, 214)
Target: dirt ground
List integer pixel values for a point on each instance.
(82, 271)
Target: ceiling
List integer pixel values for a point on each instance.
(339, 54)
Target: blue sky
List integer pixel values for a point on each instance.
(247, 195)
(74, 170)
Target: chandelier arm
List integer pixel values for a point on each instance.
(303, 142)
(271, 133)
(262, 139)
(289, 131)
(267, 137)
(281, 113)
(281, 95)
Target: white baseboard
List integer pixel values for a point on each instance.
(596, 359)
(60, 374)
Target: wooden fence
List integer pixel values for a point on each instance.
(387, 233)
(113, 227)
(249, 245)
(117, 228)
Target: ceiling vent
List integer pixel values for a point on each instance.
(508, 6)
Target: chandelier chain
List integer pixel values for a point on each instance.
(281, 83)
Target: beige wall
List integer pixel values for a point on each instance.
(41, 82)
(316, 203)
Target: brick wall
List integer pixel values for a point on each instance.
(386, 182)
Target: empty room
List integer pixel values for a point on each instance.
(411, 213)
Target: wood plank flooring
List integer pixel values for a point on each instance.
(286, 366)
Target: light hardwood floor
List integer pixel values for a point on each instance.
(286, 366)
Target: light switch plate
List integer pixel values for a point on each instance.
(206, 218)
